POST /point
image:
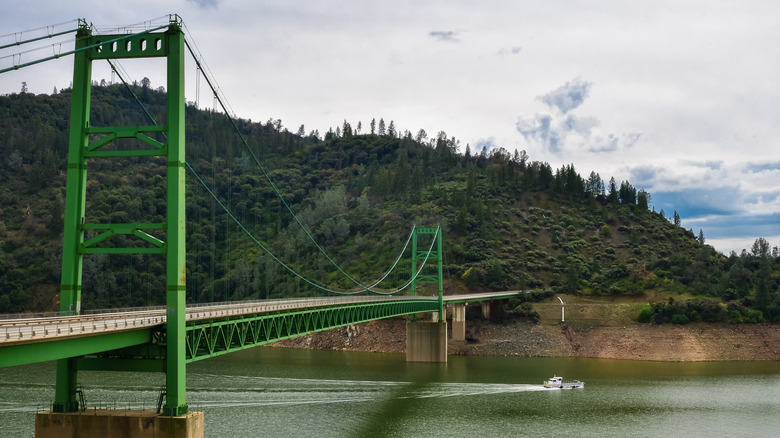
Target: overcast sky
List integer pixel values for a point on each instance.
(681, 98)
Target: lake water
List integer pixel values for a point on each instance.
(289, 392)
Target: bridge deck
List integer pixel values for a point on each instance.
(56, 335)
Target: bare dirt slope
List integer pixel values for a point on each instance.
(694, 342)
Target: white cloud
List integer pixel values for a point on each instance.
(681, 96)
(448, 36)
(205, 3)
(562, 131)
(568, 96)
(509, 51)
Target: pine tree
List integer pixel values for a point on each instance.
(643, 200)
(612, 198)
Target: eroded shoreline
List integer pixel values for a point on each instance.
(673, 343)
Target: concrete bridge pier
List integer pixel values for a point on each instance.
(459, 322)
(107, 423)
(426, 341)
(485, 309)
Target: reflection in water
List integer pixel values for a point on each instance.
(284, 392)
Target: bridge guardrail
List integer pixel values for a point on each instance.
(38, 326)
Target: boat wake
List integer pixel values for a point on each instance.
(261, 391)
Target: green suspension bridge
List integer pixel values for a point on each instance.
(166, 338)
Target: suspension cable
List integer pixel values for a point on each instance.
(235, 219)
(90, 47)
(49, 27)
(31, 40)
(36, 49)
(128, 28)
(265, 174)
(291, 270)
(127, 86)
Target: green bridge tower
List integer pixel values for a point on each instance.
(87, 141)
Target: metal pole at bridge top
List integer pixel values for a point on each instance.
(87, 141)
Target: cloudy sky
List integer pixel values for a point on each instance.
(681, 98)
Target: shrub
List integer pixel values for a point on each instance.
(679, 318)
(755, 316)
(645, 313)
(735, 317)
(525, 309)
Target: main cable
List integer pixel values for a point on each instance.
(268, 177)
(257, 241)
(291, 270)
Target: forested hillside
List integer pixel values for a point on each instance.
(508, 222)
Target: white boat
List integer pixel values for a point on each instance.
(557, 383)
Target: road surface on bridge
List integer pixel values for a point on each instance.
(24, 329)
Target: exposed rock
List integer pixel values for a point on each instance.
(694, 342)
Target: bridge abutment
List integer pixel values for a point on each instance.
(426, 341)
(100, 423)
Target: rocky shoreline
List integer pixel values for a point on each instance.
(675, 343)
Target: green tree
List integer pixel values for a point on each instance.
(643, 201)
(612, 197)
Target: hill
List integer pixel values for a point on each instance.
(508, 222)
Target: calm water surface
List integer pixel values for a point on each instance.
(287, 392)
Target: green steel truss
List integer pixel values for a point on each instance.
(214, 338)
(146, 349)
(87, 142)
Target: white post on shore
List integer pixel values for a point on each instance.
(562, 318)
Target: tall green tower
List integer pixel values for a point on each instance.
(87, 141)
(431, 273)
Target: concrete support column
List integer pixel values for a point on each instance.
(102, 423)
(426, 341)
(459, 322)
(486, 309)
